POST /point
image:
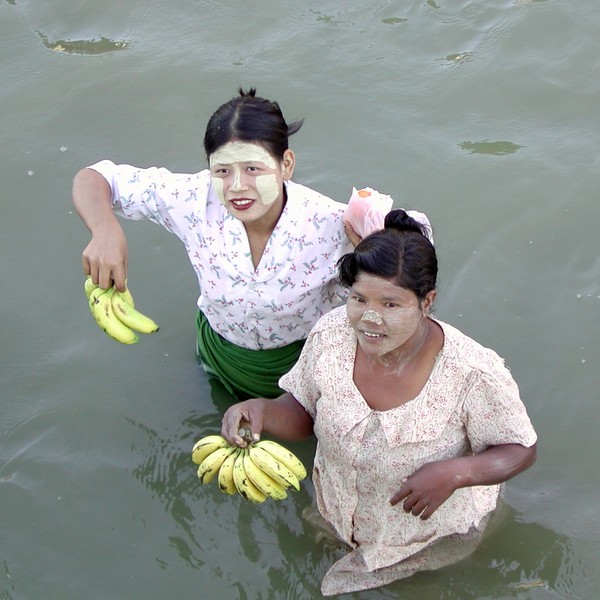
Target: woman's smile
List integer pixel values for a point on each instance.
(384, 316)
(242, 203)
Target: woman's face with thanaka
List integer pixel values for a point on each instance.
(385, 316)
(248, 180)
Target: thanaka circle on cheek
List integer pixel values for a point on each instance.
(239, 152)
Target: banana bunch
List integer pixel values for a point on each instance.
(115, 313)
(263, 470)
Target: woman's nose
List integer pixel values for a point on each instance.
(372, 316)
(237, 182)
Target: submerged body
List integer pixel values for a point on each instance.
(417, 425)
(364, 454)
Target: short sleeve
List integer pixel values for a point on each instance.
(300, 381)
(494, 412)
(155, 193)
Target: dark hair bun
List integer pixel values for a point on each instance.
(249, 118)
(399, 220)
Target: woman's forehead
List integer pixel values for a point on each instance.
(374, 284)
(241, 152)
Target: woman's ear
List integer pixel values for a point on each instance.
(288, 163)
(428, 301)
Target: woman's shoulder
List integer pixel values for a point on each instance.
(331, 336)
(302, 197)
(468, 353)
(334, 322)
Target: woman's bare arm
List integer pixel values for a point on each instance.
(105, 257)
(430, 486)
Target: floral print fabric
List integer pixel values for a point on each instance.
(469, 402)
(270, 306)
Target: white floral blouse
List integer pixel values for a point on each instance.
(470, 402)
(270, 306)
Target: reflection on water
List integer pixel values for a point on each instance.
(486, 147)
(224, 537)
(393, 20)
(427, 101)
(220, 535)
(459, 57)
(99, 46)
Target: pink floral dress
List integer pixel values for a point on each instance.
(470, 402)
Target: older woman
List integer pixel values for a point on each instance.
(417, 424)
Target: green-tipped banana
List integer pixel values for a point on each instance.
(225, 477)
(285, 456)
(271, 466)
(101, 307)
(243, 484)
(210, 466)
(207, 445)
(265, 483)
(130, 316)
(89, 286)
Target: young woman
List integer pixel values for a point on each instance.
(263, 247)
(417, 424)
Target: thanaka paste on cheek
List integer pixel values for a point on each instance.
(218, 187)
(267, 187)
(398, 326)
(234, 153)
(388, 328)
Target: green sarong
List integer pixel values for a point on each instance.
(244, 373)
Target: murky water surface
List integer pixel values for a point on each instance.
(482, 114)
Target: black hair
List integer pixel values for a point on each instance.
(249, 118)
(401, 253)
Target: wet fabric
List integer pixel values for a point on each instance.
(469, 403)
(244, 373)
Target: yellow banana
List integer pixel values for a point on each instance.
(262, 481)
(285, 456)
(271, 466)
(101, 307)
(207, 445)
(225, 477)
(130, 316)
(128, 297)
(89, 286)
(243, 483)
(210, 466)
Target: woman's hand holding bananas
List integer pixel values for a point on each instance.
(115, 313)
(263, 469)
